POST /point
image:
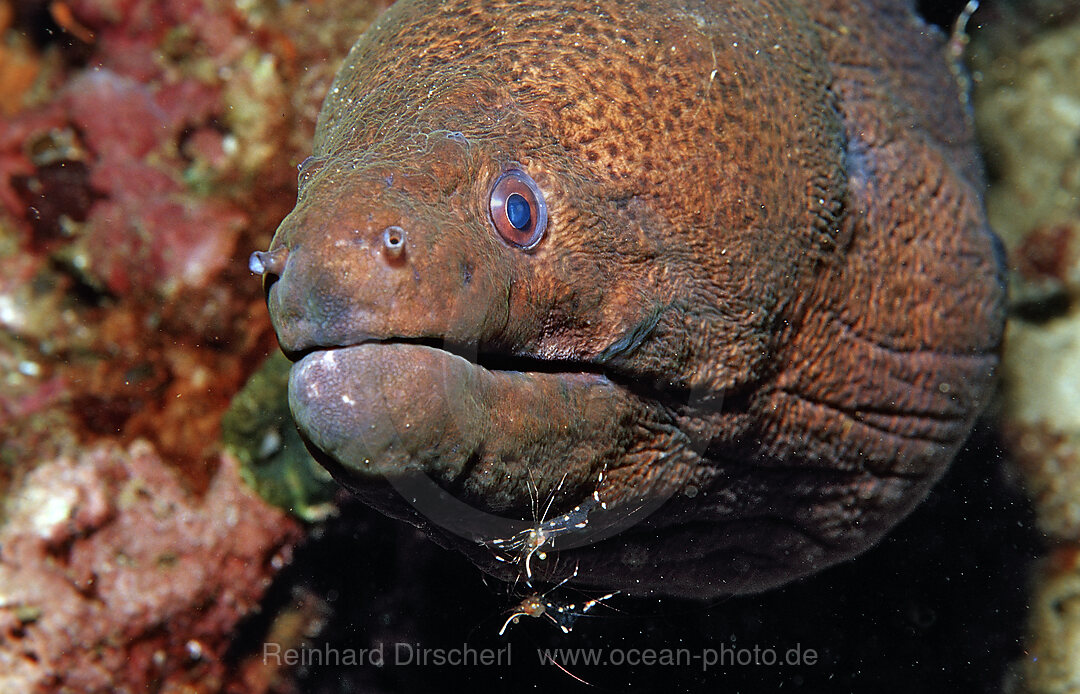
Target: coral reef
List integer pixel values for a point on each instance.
(1027, 107)
(113, 576)
(153, 150)
(146, 148)
(1027, 102)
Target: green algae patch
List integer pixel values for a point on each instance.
(258, 429)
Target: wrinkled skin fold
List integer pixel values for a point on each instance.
(760, 323)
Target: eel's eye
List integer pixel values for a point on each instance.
(517, 209)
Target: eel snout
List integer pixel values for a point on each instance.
(331, 275)
(365, 256)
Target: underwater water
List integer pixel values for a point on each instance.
(164, 526)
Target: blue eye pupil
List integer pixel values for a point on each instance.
(517, 211)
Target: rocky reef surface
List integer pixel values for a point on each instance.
(113, 576)
(1027, 105)
(146, 148)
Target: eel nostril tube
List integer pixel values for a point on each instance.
(393, 238)
(268, 262)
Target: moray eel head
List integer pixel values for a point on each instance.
(703, 282)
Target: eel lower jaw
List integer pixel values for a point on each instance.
(381, 408)
(491, 438)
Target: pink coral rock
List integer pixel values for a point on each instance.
(114, 577)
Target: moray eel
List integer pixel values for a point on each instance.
(712, 275)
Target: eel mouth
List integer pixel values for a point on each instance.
(383, 407)
(487, 359)
(466, 440)
(481, 430)
(669, 396)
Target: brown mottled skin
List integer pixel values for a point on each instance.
(767, 288)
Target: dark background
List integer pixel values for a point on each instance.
(939, 605)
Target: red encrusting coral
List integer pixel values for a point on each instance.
(132, 194)
(146, 148)
(113, 576)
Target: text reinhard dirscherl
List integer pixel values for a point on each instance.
(404, 654)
